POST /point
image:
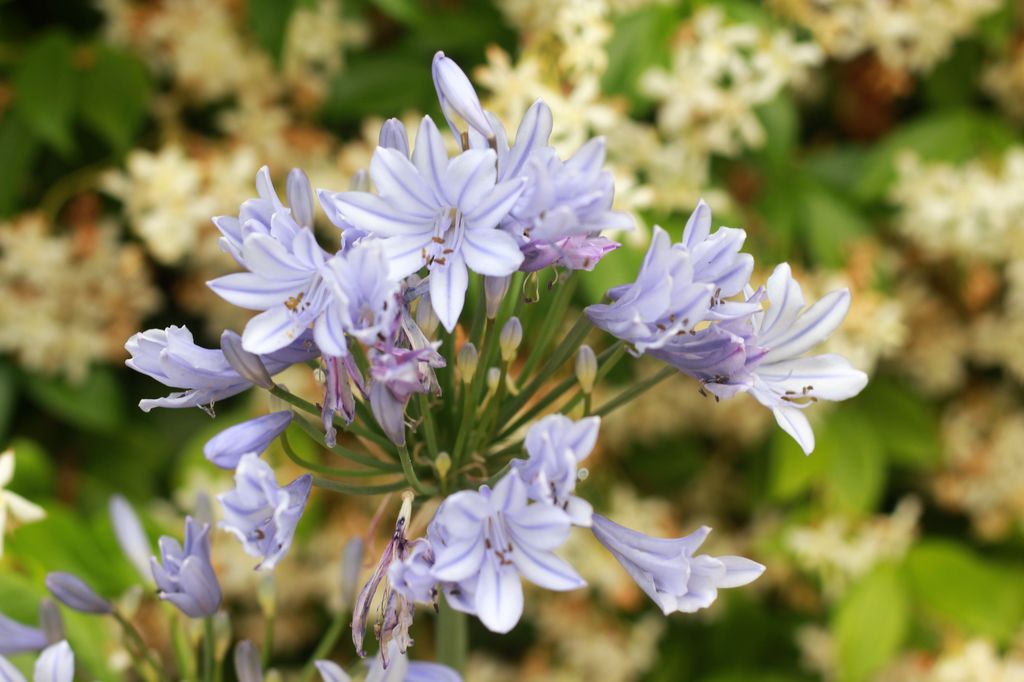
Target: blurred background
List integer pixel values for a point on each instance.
(873, 144)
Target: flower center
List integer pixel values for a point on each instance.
(447, 237)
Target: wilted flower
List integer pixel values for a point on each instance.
(397, 374)
(18, 507)
(340, 373)
(262, 514)
(668, 571)
(186, 578)
(253, 436)
(556, 445)
(72, 592)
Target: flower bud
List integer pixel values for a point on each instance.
(351, 568)
(130, 535)
(300, 197)
(248, 365)
(511, 337)
(426, 318)
(466, 361)
(389, 412)
(458, 99)
(493, 377)
(393, 136)
(586, 368)
(495, 289)
(247, 662)
(50, 621)
(71, 591)
(227, 447)
(443, 464)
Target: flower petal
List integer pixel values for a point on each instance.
(401, 184)
(499, 597)
(491, 252)
(374, 214)
(448, 285)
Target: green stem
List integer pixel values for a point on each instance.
(312, 409)
(268, 640)
(320, 468)
(635, 391)
(326, 645)
(556, 313)
(427, 420)
(452, 637)
(410, 473)
(356, 457)
(349, 489)
(208, 637)
(139, 644)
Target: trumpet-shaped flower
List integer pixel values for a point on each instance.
(12, 504)
(186, 578)
(556, 445)
(437, 213)
(253, 436)
(717, 261)
(667, 570)
(55, 664)
(262, 514)
(488, 540)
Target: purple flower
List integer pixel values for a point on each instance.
(186, 578)
(368, 303)
(459, 101)
(717, 261)
(16, 638)
(55, 664)
(262, 514)
(397, 374)
(253, 436)
(579, 252)
(662, 303)
(72, 592)
(339, 375)
(668, 571)
(437, 213)
(486, 541)
(556, 445)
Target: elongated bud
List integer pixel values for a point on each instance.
(495, 289)
(351, 567)
(247, 662)
(72, 592)
(248, 365)
(300, 197)
(393, 136)
(51, 622)
(493, 378)
(459, 100)
(586, 368)
(426, 318)
(466, 361)
(227, 447)
(510, 338)
(389, 412)
(130, 535)
(443, 464)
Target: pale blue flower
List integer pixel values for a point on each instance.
(130, 534)
(55, 664)
(252, 436)
(556, 445)
(397, 374)
(437, 213)
(16, 638)
(667, 570)
(485, 542)
(262, 514)
(186, 578)
(74, 593)
(367, 302)
(662, 303)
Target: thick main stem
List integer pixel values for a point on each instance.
(452, 637)
(208, 636)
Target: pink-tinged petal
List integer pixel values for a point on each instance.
(739, 571)
(499, 597)
(495, 205)
(534, 131)
(459, 561)
(405, 255)
(253, 292)
(698, 226)
(400, 184)
(794, 422)
(785, 300)
(469, 178)
(448, 285)
(373, 214)
(491, 252)
(271, 330)
(430, 156)
(812, 327)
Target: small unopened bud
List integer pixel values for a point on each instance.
(248, 365)
(351, 567)
(226, 449)
(393, 136)
(72, 592)
(51, 622)
(426, 318)
(495, 289)
(493, 377)
(443, 464)
(466, 361)
(266, 595)
(300, 197)
(247, 662)
(586, 368)
(510, 338)
(458, 99)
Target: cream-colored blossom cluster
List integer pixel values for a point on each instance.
(720, 73)
(839, 550)
(972, 211)
(69, 298)
(906, 34)
(1003, 79)
(974, 660)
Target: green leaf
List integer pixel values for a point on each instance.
(115, 92)
(871, 623)
(906, 422)
(829, 223)
(268, 21)
(640, 41)
(45, 85)
(855, 461)
(379, 82)
(405, 11)
(956, 585)
(94, 405)
(18, 149)
(792, 472)
(781, 121)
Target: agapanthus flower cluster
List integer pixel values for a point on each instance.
(413, 324)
